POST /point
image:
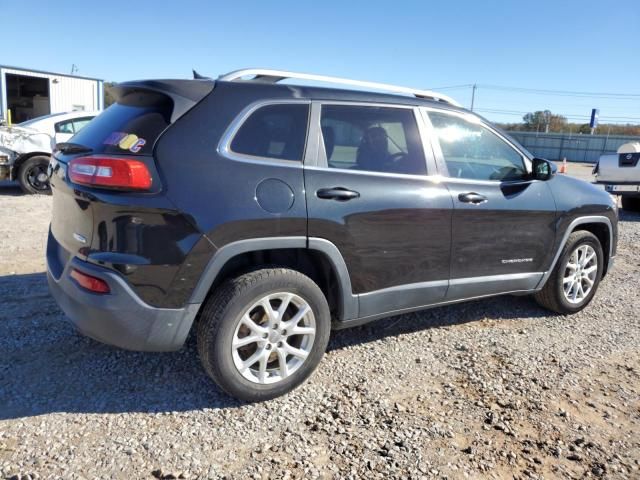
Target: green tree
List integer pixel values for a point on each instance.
(544, 121)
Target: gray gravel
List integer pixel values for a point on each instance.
(495, 388)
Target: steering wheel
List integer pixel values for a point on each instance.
(396, 157)
(394, 161)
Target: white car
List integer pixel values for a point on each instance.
(25, 148)
(620, 174)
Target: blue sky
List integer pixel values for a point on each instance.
(585, 46)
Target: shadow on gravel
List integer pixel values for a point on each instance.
(46, 367)
(497, 308)
(627, 216)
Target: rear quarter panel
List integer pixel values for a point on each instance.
(217, 193)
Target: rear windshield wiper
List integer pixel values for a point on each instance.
(69, 147)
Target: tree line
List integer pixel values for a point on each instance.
(546, 121)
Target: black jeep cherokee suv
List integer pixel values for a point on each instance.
(263, 215)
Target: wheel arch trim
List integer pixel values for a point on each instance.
(349, 302)
(570, 229)
(20, 159)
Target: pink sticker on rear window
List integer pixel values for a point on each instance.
(114, 138)
(126, 141)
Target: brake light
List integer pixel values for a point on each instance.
(90, 283)
(110, 172)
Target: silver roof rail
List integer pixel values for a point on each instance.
(274, 76)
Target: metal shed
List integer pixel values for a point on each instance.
(33, 93)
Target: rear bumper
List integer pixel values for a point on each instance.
(119, 318)
(621, 188)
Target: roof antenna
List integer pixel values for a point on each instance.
(197, 76)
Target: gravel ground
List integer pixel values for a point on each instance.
(489, 389)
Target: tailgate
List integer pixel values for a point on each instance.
(72, 215)
(615, 168)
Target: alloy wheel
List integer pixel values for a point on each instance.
(273, 338)
(580, 274)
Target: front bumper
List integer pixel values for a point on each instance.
(119, 318)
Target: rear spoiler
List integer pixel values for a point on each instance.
(184, 93)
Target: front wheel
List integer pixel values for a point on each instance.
(576, 276)
(262, 334)
(33, 176)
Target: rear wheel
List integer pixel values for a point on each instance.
(33, 176)
(262, 334)
(631, 203)
(576, 276)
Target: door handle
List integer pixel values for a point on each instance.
(472, 197)
(337, 193)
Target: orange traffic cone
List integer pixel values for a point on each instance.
(563, 166)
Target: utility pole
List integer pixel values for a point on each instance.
(74, 68)
(473, 95)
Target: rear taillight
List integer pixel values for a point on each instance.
(90, 283)
(110, 172)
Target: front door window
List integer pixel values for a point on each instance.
(474, 152)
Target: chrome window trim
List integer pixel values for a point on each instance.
(321, 161)
(315, 142)
(224, 146)
(471, 118)
(357, 103)
(499, 183)
(408, 176)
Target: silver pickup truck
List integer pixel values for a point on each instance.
(620, 174)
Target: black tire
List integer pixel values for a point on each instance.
(552, 294)
(30, 175)
(222, 313)
(631, 203)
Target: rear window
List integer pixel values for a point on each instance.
(132, 125)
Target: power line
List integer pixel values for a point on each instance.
(568, 116)
(565, 93)
(451, 87)
(540, 91)
(577, 116)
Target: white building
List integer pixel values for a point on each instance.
(33, 93)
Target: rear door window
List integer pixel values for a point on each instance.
(274, 131)
(132, 125)
(375, 139)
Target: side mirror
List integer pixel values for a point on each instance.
(543, 169)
